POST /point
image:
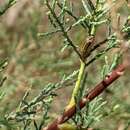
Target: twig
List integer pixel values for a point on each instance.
(2, 81)
(77, 85)
(84, 24)
(97, 90)
(63, 30)
(7, 6)
(97, 56)
(91, 5)
(99, 44)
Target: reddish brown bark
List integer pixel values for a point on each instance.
(97, 90)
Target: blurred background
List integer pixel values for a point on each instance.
(34, 61)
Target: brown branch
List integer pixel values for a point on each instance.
(99, 88)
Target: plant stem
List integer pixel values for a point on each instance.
(92, 33)
(97, 90)
(80, 77)
(63, 29)
(77, 85)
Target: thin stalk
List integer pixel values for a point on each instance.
(84, 24)
(93, 30)
(7, 6)
(80, 76)
(63, 30)
(77, 85)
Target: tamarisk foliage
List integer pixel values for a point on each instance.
(79, 112)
